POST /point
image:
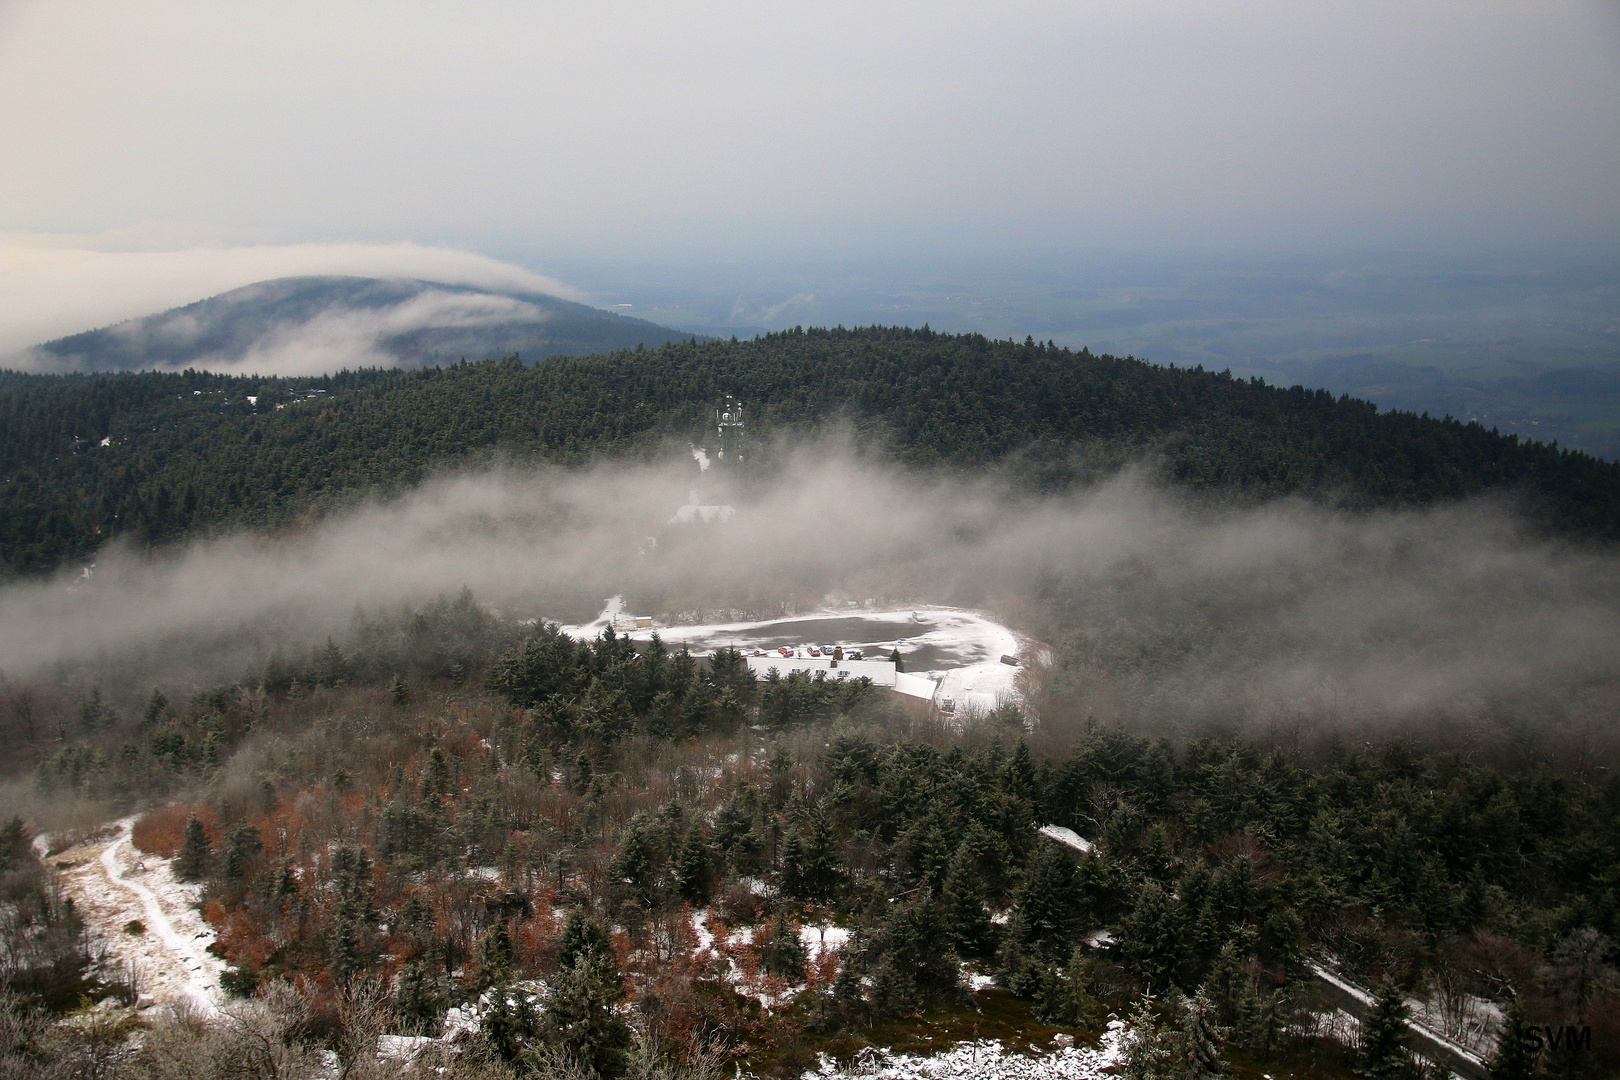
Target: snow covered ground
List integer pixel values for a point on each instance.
(987, 1060)
(113, 885)
(961, 650)
(1067, 837)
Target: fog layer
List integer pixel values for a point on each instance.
(1161, 612)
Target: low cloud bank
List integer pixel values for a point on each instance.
(48, 290)
(1164, 615)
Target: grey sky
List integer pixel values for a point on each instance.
(601, 126)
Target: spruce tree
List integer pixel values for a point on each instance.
(244, 843)
(962, 905)
(792, 873)
(1150, 1048)
(14, 841)
(1046, 902)
(1150, 937)
(195, 852)
(1382, 1053)
(692, 870)
(582, 936)
(157, 710)
(782, 952)
(420, 1000)
(1231, 987)
(1202, 1038)
(823, 871)
(496, 955)
(580, 1022)
(1514, 1059)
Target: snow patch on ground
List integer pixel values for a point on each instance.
(700, 930)
(987, 1060)
(113, 885)
(819, 940)
(1067, 836)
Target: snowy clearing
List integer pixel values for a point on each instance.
(113, 885)
(961, 650)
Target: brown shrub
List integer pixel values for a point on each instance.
(162, 831)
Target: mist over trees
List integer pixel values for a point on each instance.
(188, 453)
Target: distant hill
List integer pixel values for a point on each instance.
(320, 325)
(157, 457)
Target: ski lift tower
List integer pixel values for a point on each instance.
(728, 422)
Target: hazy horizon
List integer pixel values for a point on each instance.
(634, 128)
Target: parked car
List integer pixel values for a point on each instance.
(785, 651)
(814, 651)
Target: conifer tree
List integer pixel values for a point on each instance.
(1065, 994)
(1514, 1059)
(783, 953)
(14, 841)
(1046, 902)
(582, 936)
(496, 955)
(692, 871)
(509, 1025)
(1150, 937)
(1231, 989)
(823, 871)
(93, 713)
(1150, 1048)
(791, 857)
(1202, 1038)
(962, 905)
(420, 1000)
(195, 852)
(1382, 1053)
(633, 872)
(580, 1022)
(157, 710)
(244, 843)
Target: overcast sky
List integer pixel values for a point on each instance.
(549, 126)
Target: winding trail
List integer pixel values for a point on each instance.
(197, 966)
(112, 885)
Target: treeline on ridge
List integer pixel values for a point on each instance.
(189, 453)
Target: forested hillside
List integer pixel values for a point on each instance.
(154, 457)
(634, 858)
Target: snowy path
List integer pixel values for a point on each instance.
(171, 956)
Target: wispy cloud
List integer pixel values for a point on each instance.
(51, 286)
(1175, 617)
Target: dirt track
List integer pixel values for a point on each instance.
(113, 885)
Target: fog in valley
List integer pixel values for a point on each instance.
(1287, 620)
